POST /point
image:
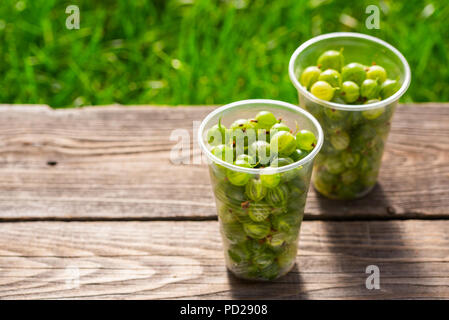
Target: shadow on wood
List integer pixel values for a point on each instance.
(286, 287)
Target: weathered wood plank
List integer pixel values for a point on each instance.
(161, 260)
(114, 162)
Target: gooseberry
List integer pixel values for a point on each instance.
(334, 165)
(322, 90)
(238, 178)
(255, 190)
(332, 77)
(309, 76)
(340, 140)
(331, 59)
(350, 91)
(372, 114)
(370, 89)
(270, 180)
(388, 88)
(261, 150)
(298, 154)
(278, 127)
(376, 72)
(353, 72)
(265, 120)
(283, 143)
(223, 152)
(305, 140)
(259, 211)
(257, 230)
(277, 197)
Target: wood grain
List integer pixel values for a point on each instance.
(180, 260)
(114, 163)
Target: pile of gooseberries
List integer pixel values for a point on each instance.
(260, 213)
(353, 83)
(349, 161)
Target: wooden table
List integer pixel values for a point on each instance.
(92, 207)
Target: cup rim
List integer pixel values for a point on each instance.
(354, 107)
(267, 170)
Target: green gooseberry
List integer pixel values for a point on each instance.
(255, 190)
(277, 239)
(350, 159)
(373, 113)
(270, 180)
(350, 91)
(216, 134)
(223, 152)
(370, 89)
(322, 90)
(283, 143)
(332, 77)
(277, 197)
(286, 222)
(261, 150)
(238, 178)
(376, 73)
(361, 138)
(265, 120)
(333, 114)
(309, 76)
(225, 214)
(239, 252)
(247, 158)
(259, 211)
(242, 214)
(322, 186)
(234, 232)
(288, 256)
(298, 154)
(328, 177)
(234, 194)
(243, 124)
(349, 176)
(270, 272)
(366, 165)
(305, 140)
(296, 191)
(388, 88)
(263, 258)
(334, 165)
(278, 127)
(340, 140)
(281, 162)
(354, 72)
(257, 230)
(331, 59)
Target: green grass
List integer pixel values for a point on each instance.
(198, 51)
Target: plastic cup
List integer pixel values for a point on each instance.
(260, 210)
(354, 135)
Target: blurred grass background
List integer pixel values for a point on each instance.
(197, 51)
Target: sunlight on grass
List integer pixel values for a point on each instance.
(197, 51)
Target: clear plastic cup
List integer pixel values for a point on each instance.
(354, 135)
(260, 232)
